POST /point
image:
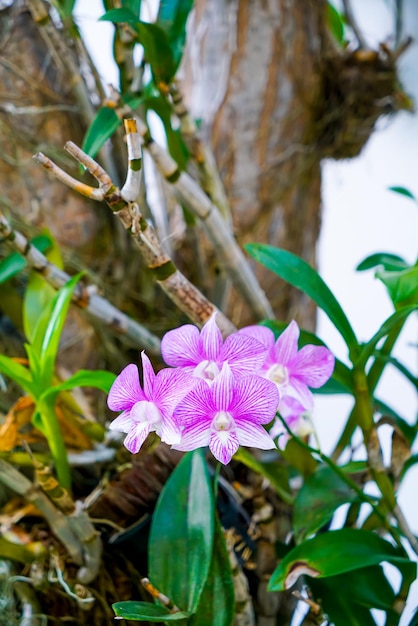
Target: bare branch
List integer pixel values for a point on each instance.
(353, 24)
(180, 290)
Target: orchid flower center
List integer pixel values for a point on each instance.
(208, 370)
(278, 374)
(145, 411)
(222, 421)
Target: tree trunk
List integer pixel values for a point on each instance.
(252, 75)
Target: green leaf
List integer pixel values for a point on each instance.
(65, 7)
(318, 499)
(175, 143)
(403, 192)
(101, 129)
(38, 293)
(147, 612)
(271, 471)
(348, 598)
(18, 373)
(119, 16)
(332, 553)
(99, 379)
(133, 5)
(217, 605)
(402, 286)
(399, 316)
(389, 261)
(172, 18)
(157, 51)
(414, 620)
(335, 23)
(181, 536)
(47, 334)
(300, 274)
(14, 263)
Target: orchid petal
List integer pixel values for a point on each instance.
(126, 390)
(290, 407)
(122, 422)
(223, 389)
(211, 340)
(262, 334)
(169, 431)
(245, 354)
(194, 436)
(313, 365)
(196, 407)
(286, 346)
(256, 399)
(223, 444)
(254, 436)
(297, 389)
(136, 437)
(181, 347)
(148, 376)
(170, 386)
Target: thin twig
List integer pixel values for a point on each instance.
(353, 24)
(181, 291)
(83, 296)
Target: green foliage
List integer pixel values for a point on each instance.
(183, 524)
(172, 18)
(318, 499)
(402, 191)
(100, 130)
(300, 274)
(335, 22)
(332, 553)
(147, 612)
(14, 263)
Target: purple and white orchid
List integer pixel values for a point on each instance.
(296, 418)
(150, 407)
(228, 413)
(293, 370)
(203, 353)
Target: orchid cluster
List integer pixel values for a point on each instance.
(220, 394)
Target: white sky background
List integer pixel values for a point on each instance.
(360, 217)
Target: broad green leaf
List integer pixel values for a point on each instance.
(133, 5)
(348, 598)
(48, 333)
(335, 23)
(271, 471)
(157, 51)
(396, 318)
(402, 286)
(318, 499)
(300, 274)
(119, 16)
(341, 380)
(299, 458)
(403, 191)
(390, 262)
(18, 373)
(181, 536)
(399, 366)
(101, 129)
(14, 263)
(172, 18)
(176, 146)
(216, 606)
(332, 553)
(146, 612)
(39, 294)
(99, 379)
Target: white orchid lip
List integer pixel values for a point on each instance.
(145, 411)
(278, 374)
(208, 370)
(223, 421)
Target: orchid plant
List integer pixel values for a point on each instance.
(220, 393)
